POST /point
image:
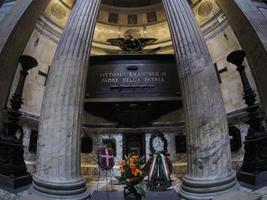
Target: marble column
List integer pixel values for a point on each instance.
(209, 171)
(58, 157)
(1, 2)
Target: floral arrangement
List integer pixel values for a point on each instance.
(132, 174)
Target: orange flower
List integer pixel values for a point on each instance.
(135, 171)
(133, 159)
(132, 165)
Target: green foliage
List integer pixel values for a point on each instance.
(139, 189)
(132, 173)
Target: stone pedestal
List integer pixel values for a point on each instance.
(13, 171)
(252, 179)
(58, 160)
(14, 184)
(209, 171)
(254, 168)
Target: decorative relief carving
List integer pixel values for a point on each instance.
(158, 143)
(136, 33)
(205, 8)
(58, 11)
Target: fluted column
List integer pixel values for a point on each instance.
(58, 159)
(1, 2)
(209, 170)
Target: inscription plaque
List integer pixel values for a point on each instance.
(133, 76)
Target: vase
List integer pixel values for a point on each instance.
(130, 193)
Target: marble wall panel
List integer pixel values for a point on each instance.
(89, 166)
(91, 158)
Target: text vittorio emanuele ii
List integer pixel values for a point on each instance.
(132, 77)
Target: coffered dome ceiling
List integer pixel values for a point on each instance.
(131, 12)
(121, 3)
(143, 18)
(130, 3)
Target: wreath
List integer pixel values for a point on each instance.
(163, 139)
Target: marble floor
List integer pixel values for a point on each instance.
(262, 192)
(106, 185)
(112, 184)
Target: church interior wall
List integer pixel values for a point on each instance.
(123, 14)
(42, 47)
(231, 87)
(250, 17)
(43, 50)
(169, 124)
(89, 160)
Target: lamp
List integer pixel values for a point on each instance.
(254, 167)
(13, 171)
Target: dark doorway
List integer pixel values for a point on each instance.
(134, 143)
(33, 141)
